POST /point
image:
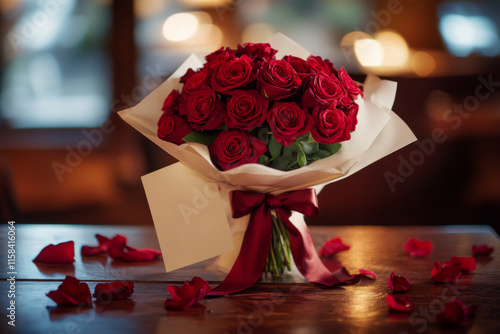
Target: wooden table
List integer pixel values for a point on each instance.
(288, 305)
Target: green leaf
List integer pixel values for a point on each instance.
(333, 148)
(275, 148)
(286, 158)
(320, 154)
(308, 147)
(200, 137)
(301, 156)
(262, 134)
(263, 160)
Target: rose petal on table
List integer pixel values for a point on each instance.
(140, 255)
(117, 246)
(398, 283)
(60, 253)
(482, 250)
(332, 246)
(418, 248)
(103, 247)
(71, 292)
(113, 291)
(462, 262)
(445, 274)
(367, 273)
(187, 295)
(399, 303)
(455, 312)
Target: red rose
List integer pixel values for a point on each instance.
(288, 121)
(216, 58)
(299, 65)
(257, 51)
(351, 88)
(113, 291)
(324, 90)
(278, 80)
(351, 112)
(320, 65)
(71, 292)
(329, 125)
(195, 81)
(233, 148)
(172, 128)
(187, 295)
(233, 74)
(172, 101)
(203, 110)
(246, 110)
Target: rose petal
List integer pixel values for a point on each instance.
(104, 246)
(71, 292)
(60, 253)
(367, 273)
(482, 250)
(455, 312)
(117, 246)
(332, 246)
(418, 248)
(464, 263)
(140, 255)
(445, 274)
(113, 291)
(398, 283)
(399, 303)
(186, 296)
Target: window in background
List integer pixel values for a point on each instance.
(56, 71)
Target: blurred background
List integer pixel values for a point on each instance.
(67, 66)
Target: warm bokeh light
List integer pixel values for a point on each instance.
(395, 48)
(206, 3)
(147, 8)
(257, 32)
(349, 39)
(180, 27)
(422, 63)
(369, 52)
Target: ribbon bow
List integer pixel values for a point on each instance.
(252, 258)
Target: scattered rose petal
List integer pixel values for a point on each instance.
(117, 246)
(187, 295)
(140, 255)
(482, 250)
(113, 291)
(464, 263)
(399, 303)
(71, 292)
(333, 246)
(455, 312)
(367, 273)
(398, 283)
(60, 253)
(445, 274)
(418, 248)
(103, 247)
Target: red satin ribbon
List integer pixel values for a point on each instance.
(252, 258)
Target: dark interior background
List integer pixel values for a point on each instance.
(110, 54)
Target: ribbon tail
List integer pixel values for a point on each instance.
(251, 260)
(307, 259)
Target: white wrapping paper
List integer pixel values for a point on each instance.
(379, 132)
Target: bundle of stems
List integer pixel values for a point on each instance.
(280, 255)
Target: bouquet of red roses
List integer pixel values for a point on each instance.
(249, 107)
(258, 133)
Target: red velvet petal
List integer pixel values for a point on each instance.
(113, 290)
(367, 273)
(71, 292)
(398, 283)
(187, 295)
(140, 255)
(117, 245)
(482, 250)
(104, 246)
(332, 246)
(447, 274)
(464, 263)
(453, 313)
(171, 304)
(399, 303)
(418, 248)
(60, 253)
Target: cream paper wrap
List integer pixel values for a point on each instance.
(379, 132)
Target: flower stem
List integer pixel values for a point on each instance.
(279, 256)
